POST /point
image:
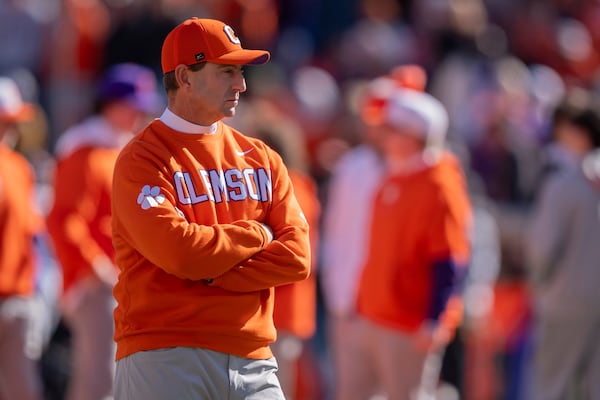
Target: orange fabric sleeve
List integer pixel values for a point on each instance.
(296, 303)
(19, 223)
(451, 217)
(79, 222)
(285, 218)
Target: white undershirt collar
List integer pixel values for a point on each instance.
(179, 124)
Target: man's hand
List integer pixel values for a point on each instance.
(432, 336)
(105, 271)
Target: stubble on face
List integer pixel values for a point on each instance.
(220, 89)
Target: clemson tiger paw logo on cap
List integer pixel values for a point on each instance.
(150, 197)
(231, 35)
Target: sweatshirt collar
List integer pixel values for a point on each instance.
(179, 124)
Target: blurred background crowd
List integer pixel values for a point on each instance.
(502, 68)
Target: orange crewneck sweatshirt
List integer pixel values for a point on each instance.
(418, 219)
(188, 208)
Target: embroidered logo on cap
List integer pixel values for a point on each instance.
(199, 56)
(231, 35)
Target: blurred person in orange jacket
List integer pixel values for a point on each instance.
(19, 224)
(409, 291)
(295, 311)
(79, 222)
(346, 219)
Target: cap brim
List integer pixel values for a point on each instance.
(25, 113)
(243, 57)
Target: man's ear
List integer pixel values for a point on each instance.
(182, 76)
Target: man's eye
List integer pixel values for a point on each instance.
(233, 71)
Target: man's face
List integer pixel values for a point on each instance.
(572, 138)
(215, 91)
(401, 142)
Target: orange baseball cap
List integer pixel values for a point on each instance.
(380, 89)
(198, 40)
(411, 76)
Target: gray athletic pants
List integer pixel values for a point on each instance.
(566, 359)
(187, 373)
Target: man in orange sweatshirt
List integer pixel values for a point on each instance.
(19, 224)
(205, 225)
(409, 292)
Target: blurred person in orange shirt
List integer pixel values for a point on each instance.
(409, 292)
(295, 311)
(19, 224)
(346, 218)
(79, 222)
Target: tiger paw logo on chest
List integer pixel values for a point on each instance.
(223, 185)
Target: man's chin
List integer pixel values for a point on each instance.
(230, 112)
